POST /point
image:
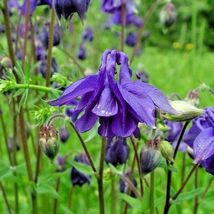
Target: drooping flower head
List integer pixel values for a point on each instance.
(64, 135)
(117, 151)
(119, 104)
(67, 8)
(131, 39)
(200, 138)
(78, 178)
(81, 55)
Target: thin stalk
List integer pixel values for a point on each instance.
(6, 138)
(50, 46)
(183, 170)
(34, 87)
(207, 188)
(138, 166)
(85, 149)
(123, 24)
(56, 200)
(195, 210)
(180, 138)
(74, 60)
(169, 173)
(27, 18)
(152, 191)
(100, 178)
(185, 181)
(141, 29)
(113, 197)
(5, 198)
(70, 194)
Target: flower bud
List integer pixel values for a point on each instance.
(117, 152)
(81, 55)
(150, 157)
(48, 140)
(185, 111)
(143, 76)
(168, 15)
(64, 135)
(6, 62)
(167, 150)
(60, 163)
(78, 178)
(131, 39)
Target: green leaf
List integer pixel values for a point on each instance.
(45, 188)
(188, 195)
(5, 173)
(86, 169)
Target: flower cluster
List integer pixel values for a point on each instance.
(119, 105)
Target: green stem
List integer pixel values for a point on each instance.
(5, 198)
(100, 178)
(151, 196)
(50, 46)
(85, 149)
(35, 87)
(138, 165)
(183, 170)
(56, 200)
(123, 23)
(169, 173)
(113, 196)
(196, 198)
(185, 181)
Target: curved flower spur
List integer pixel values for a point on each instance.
(118, 104)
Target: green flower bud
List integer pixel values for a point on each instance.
(185, 111)
(167, 150)
(48, 141)
(150, 157)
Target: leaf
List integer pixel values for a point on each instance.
(45, 188)
(188, 195)
(86, 169)
(5, 173)
(23, 99)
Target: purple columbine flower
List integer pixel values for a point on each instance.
(81, 55)
(44, 35)
(88, 34)
(64, 135)
(131, 39)
(117, 151)
(67, 8)
(200, 137)
(78, 178)
(119, 105)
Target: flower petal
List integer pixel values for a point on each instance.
(86, 121)
(107, 105)
(140, 103)
(75, 90)
(203, 146)
(157, 96)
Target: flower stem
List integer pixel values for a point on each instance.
(85, 149)
(50, 46)
(185, 181)
(123, 23)
(138, 165)
(196, 198)
(35, 87)
(183, 167)
(100, 178)
(207, 188)
(5, 198)
(56, 200)
(169, 173)
(113, 196)
(151, 196)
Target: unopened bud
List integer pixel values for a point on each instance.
(6, 62)
(48, 141)
(167, 151)
(185, 111)
(150, 157)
